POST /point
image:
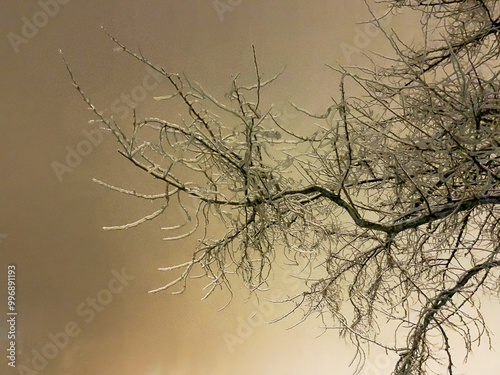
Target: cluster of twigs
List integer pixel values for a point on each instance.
(393, 199)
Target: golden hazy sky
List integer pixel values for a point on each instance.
(86, 289)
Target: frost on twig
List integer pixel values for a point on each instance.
(386, 207)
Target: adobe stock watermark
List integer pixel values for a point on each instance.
(264, 311)
(55, 343)
(3, 236)
(286, 116)
(122, 108)
(32, 25)
(363, 36)
(379, 365)
(223, 6)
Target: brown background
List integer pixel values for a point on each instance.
(51, 229)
